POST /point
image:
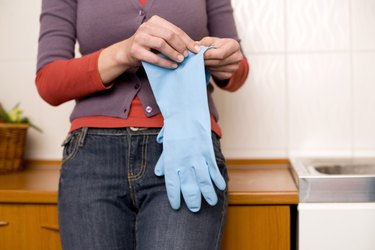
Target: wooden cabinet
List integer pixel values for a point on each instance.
(26, 226)
(259, 214)
(261, 209)
(258, 228)
(28, 210)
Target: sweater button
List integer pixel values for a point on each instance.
(136, 86)
(141, 12)
(148, 109)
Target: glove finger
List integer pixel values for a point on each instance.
(215, 174)
(190, 190)
(159, 168)
(173, 186)
(205, 183)
(160, 137)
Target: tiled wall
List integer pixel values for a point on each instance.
(311, 89)
(312, 85)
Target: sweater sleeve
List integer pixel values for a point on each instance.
(61, 77)
(65, 80)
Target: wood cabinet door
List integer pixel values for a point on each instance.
(257, 228)
(29, 227)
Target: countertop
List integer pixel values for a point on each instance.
(248, 184)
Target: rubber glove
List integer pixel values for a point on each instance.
(188, 160)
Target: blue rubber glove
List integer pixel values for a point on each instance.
(188, 160)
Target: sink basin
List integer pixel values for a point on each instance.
(349, 169)
(334, 180)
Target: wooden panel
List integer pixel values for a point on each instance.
(257, 228)
(26, 229)
(12, 233)
(49, 228)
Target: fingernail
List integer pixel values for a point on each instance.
(174, 65)
(186, 53)
(180, 58)
(197, 48)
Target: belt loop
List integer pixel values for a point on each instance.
(82, 137)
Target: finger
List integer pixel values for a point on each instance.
(143, 54)
(159, 167)
(205, 183)
(233, 58)
(189, 43)
(177, 45)
(190, 190)
(173, 186)
(160, 137)
(173, 39)
(162, 46)
(222, 75)
(215, 174)
(224, 48)
(231, 68)
(207, 41)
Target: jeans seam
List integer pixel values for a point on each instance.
(222, 222)
(130, 181)
(143, 162)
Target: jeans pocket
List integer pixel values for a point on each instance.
(220, 159)
(217, 149)
(70, 147)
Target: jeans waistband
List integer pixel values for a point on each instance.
(119, 131)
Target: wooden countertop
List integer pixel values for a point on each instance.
(261, 184)
(248, 184)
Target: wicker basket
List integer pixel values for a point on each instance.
(12, 146)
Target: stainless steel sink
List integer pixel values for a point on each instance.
(335, 180)
(349, 169)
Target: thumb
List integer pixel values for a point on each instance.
(206, 41)
(159, 167)
(159, 138)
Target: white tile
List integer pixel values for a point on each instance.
(318, 25)
(364, 101)
(19, 25)
(260, 25)
(363, 24)
(253, 119)
(319, 92)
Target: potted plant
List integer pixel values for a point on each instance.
(13, 129)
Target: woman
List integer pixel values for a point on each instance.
(109, 196)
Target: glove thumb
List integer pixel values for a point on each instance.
(159, 168)
(160, 137)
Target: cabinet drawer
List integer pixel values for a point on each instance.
(29, 227)
(257, 228)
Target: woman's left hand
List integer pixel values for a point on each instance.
(223, 61)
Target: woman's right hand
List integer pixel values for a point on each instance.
(157, 34)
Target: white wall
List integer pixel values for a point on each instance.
(311, 89)
(312, 85)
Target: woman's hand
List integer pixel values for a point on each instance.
(223, 61)
(157, 34)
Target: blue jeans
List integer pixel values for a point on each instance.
(110, 199)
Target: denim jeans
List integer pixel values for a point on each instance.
(110, 199)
